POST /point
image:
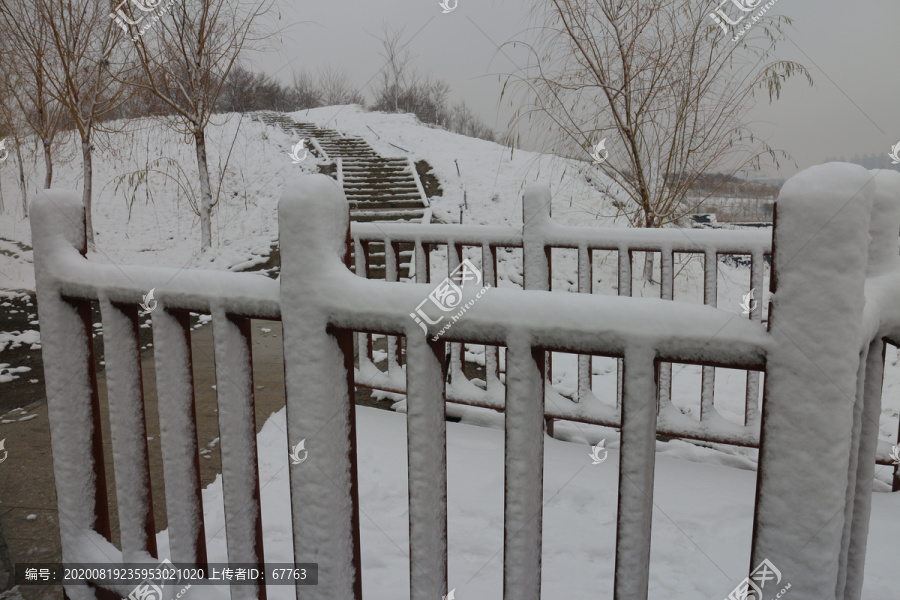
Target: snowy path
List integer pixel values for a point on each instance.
(701, 533)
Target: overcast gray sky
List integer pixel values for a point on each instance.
(850, 47)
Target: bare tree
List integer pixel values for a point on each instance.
(85, 74)
(396, 71)
(246, 91)
(337, 88)
(305, 92)
(186, 58)
(26, 72)
(661, 84)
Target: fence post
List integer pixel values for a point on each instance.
(313, 224)
(536, 254)
(883, 257)
(73, 405)
(819, 261)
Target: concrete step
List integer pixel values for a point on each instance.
(372, 197)
(381, 185)
(394, 205)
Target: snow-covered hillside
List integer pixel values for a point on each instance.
(156, 225)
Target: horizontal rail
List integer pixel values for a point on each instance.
(558, 236)
(591, 324)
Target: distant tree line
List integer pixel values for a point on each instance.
(870, 161)
(247, 91)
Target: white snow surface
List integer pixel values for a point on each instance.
(701, 532)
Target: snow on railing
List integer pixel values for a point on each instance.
(823, 358)
(537, 237)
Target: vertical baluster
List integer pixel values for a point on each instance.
(883, 258)
(128, 429)
(624, 290)
(666, 292)
(636, 474)
(427, 455)
(710, 298)
(536, 254)
(853, 484)
(178, 436)
(391, 253)
(421, 262)
(363, 340)
(751, 404)
(865, 473)
(524, 473)
(237, 431)
(585, 285)
(491, 353)
(454, 258)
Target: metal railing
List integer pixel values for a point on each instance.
(819, 433)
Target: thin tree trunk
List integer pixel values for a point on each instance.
(48, 165)
(22, 178)
(86, 194)
(648, 266)
(648, 256)
(205, 191)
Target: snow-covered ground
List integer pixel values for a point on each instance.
(701, 531)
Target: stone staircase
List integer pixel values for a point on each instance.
(379, 189)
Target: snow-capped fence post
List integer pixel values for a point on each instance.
(491, 353)
(313, 224)
(751, 402)
(73, 405)
(820, 252)
(636, 473)
(524, 472)
(710, 295)
(536, 254)
(427, 456)
(237, 431)
(585, 285)
(666, 292)
(884, 257)
(178, 435)
(128, 428)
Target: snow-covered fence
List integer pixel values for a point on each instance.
(66, 284)
(836, 277)
(538, 237)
